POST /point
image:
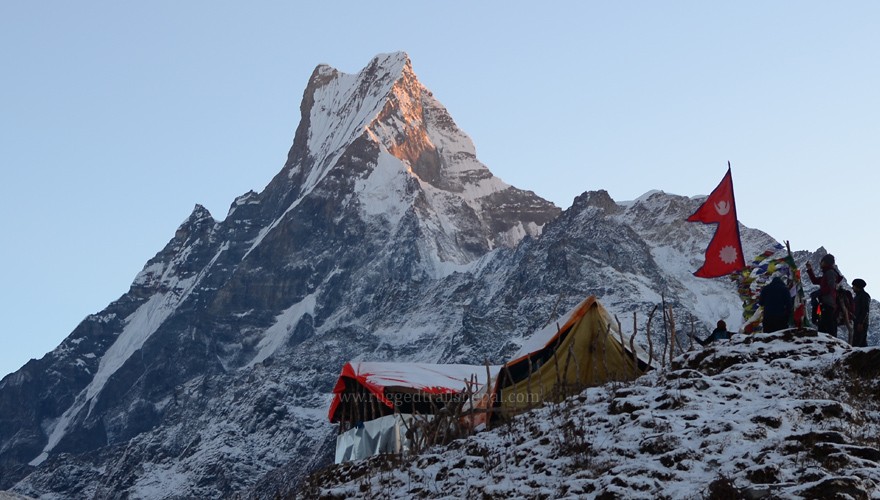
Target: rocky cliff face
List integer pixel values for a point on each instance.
(382, 238)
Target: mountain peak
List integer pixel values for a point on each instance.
(337, 108)
(599, 199)
(199, 218)
(392, 62)
(380, 136)
(198, 214)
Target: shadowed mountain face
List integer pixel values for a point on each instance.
(382, 238)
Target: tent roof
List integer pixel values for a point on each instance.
(548, 335)
(423, 377)
(545, 336)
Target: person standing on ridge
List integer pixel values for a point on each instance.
(827, 293)
(860, 317)
(775, 298)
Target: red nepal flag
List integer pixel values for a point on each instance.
(724, 254)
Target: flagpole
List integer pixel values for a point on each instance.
(735, 216)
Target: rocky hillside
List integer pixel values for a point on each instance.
(793, 414)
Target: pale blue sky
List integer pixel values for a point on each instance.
(117, 117)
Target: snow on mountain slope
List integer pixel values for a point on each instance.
(383, 193)
(342, 109)
(678, 248)
(139, 326)
(277, 334)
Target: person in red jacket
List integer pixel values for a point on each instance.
(827, 293)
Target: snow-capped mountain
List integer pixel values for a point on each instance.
(382, 238)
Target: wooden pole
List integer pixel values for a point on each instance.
(671, 336)
(624, 369)
(665, 329)
(487, 399)
(529, 385)
(650, 341)
(558, 387)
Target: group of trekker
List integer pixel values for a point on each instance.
(831, 304)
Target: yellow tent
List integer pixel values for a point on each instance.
(559, 361)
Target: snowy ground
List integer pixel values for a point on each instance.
(783, 415)
(8, 495)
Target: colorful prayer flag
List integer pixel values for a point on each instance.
(757, 274)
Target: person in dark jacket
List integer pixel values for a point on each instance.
(719, 333)
(776, 300)
(862, 304)
(827, 293)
